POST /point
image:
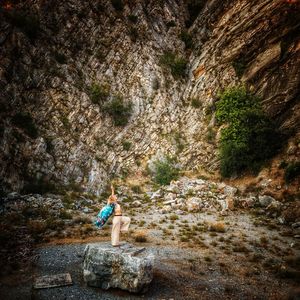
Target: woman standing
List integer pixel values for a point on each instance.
(120, 223)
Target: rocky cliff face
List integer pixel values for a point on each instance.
(53, 54)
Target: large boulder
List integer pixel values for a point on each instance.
(265, 200)
(128, 267)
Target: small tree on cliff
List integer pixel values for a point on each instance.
(250, 137)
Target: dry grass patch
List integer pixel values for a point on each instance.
(36, 227)
(256, 257)
(87, 228)
(173, 217)
(63, 214)
(140, 236)
(240, 248)
(82, 220)
(142, 223)
(217, 227)
(184, 239)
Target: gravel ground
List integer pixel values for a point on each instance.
(180, 273)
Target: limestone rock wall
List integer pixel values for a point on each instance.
(47, 74)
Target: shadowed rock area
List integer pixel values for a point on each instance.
(61, 63)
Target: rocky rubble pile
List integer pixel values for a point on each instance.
(199, 195)
(14, 202)
(183, 196)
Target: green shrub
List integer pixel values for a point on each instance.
(173, 217)
(98, 93)
(133, 33)
(179, 141)
(119, 111)
(239, 67)
(117, 4)
(24, 121)
(136, 189)
(65, 121)
(29, 24)
(65, 215)
(126, 145)
(292, 171)
(133, 18)
(196, 103)
(187, 39)
(60, 58)
(210, 135)
(165, 171)
(171, 24)
(177, 65)
(234, 102)
(250, 137)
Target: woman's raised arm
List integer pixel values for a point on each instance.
(112, 189)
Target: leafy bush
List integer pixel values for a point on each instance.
(165, 171)
(117, 4)
(177, 65)
(98, 93)
(118, 110)
(250, 137)
(179, 142)
(234, 102)
(196, 103)
(60, 58)
(25, 122)
(187, 39)
(292, 171)
(29, 24)
(133, 33)
(65, 121)
(63, 214)
(133, 18)
(239, 66)
(126, 145)
(136, 189)
(171, 24)
(173, 217)
(210, 135)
